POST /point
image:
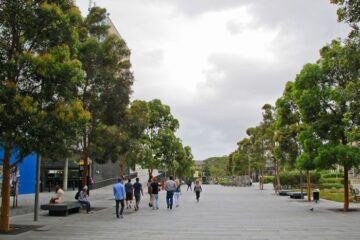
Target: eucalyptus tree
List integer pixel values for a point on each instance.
(159, 143)
(187, 164)
(322, 92)
(106, 90)
(287, 127)
(40, 77)
(349, 12)
(257, 151)
(271, 151)
(241, 160)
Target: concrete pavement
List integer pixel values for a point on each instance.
(222, 213)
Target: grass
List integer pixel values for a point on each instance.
(336, 195)
(333, 194)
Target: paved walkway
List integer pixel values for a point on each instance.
(223, 213)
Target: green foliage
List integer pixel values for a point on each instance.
(331, 185)
(349, 11)
(106, 90)
(215, 166)
(225, 182)
(287, 127)
(40, 76)
(268, 179)
(332, 175)
(331, 180)
(292, 179)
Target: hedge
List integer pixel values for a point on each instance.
(332, 175)
(292, 179)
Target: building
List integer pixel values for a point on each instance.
(23, 175)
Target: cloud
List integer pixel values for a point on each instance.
(215, 63)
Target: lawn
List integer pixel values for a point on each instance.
(336, 195)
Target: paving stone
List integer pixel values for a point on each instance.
(222, 213)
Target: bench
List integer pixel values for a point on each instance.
(284, 192)
(296, 195)
(61, 209)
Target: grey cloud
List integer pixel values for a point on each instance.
(230, 100)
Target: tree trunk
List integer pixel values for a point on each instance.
(346, 189)
(308, 185)
(261, 182)
(65, 176)
(121, 168)
(5, 200)
(278, 186)
(150, 171)
(85, 159)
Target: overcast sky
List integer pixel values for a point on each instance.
(217, 62)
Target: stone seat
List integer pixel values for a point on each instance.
(61, 209)
(296, 195)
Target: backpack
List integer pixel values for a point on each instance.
(77, 195)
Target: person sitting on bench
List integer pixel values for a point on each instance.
(83, 199)
(59, 195)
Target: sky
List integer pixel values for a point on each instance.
(217, 62)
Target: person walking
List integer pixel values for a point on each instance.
(149, 190)
(170, 187)
(197, 189)
(119, 194)
(163, 183)
(137, 190)
(177, 192)
(83, 199)
(155, 193)
(189, 185)
(129, 193)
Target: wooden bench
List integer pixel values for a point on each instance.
(61, 209)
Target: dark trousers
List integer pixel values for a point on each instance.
(197, 195)
(169, 199)
(117, 207)
(189, 186)
(137, 201)
(87, 204)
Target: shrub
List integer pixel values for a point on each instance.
(332, 180)
(269, 179)
(332, 175)
(292, 179)
(225, 182)
(331, 185)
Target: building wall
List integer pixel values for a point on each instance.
(27, 172)
(109, 170)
